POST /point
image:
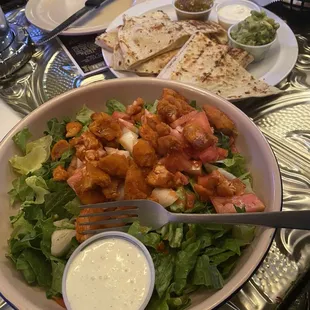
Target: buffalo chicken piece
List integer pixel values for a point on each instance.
(73, 128)
(218, 185)
(148, 134)
(162, 129)
(114, 165)
(144, 154)
(197, 137)
(135, 185)
(105, 126)
(60, 174)
(59, 148)
(168, 144)
(160, 177)
(136, 107)
(111, 192)
(87, 141)
(220, 120)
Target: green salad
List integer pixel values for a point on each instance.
(187, 257)
(255, 30)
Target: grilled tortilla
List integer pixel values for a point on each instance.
(208, 65)
(141, 39)
(151, 67)
(211, 29)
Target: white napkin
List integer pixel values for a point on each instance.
(8, 118)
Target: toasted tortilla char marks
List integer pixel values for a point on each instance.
(138, 37)
(214, 70)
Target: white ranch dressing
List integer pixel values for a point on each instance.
(236, 12)
(108, 274)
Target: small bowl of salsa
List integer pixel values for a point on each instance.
(193, 9)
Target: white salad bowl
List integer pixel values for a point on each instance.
(251, 143)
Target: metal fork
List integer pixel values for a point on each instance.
(152, 214)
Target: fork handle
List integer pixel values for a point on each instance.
(289, 219)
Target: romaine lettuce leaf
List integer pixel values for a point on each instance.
(236, 165)
(73, 206)
(222, 257)
(245, 233)
(179, 205)
(164, 268)
(84, 115)
(39, 187)
(56, 129)
(114, 105)
(185, 262)
(21, 139)
(206, 274)
(37, 152)
(142, 233)
(151, 107)
(58, 267)
(173, 233)
(20, 192)
(33, 264)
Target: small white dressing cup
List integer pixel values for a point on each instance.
(109, 235)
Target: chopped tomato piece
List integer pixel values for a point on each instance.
(59, 301)
(202, 120)
(208, 181)
(250, 202)
(177, 135)
(184, 119)
(121, 115)
(126, 124)
(190, 200)
(233, 145)
(203, 192)
(213, 154)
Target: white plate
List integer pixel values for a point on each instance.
(278, 63)
(48, 14)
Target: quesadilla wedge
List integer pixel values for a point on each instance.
(108, 40)
(151, 67)
(208, 65)
(141, 39)
(209, 28)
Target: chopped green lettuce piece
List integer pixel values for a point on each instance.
(37, 152)
(114, 105)
(206, 274)
(164, 268)
(236, 165)
(84, 115)
(20, 192)
(21, 139)
(179, 205)
(142, 233)
(73, 206)
(40, 189)
(185, 262)
(151, 107)
(173, 233)
(56, 129)
(245, 233)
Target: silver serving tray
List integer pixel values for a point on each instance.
(285, 122)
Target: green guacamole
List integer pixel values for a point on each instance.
(257, 29)
(193, 5)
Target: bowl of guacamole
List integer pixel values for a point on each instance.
(193, 9)
(256, 34)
